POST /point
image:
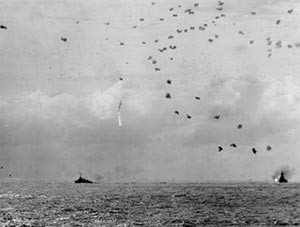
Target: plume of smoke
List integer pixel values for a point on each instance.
(288, 172)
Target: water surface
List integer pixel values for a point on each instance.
(149, 204)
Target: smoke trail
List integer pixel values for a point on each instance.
(288, 172)
(119, 118)
(119, 113)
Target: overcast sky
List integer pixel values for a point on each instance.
(59, 100)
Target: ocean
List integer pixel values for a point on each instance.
(149, 204)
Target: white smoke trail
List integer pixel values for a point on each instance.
(119, 113)
(119, 118)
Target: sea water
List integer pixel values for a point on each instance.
(149, 204)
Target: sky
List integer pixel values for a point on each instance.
(59, 99)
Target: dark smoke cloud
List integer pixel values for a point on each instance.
(287, 171)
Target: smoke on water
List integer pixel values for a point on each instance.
(288, 172)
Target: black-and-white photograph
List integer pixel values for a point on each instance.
(125, 113)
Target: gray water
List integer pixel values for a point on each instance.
(149, 204)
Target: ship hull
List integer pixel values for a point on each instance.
(85, 182)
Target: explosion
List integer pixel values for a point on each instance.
(286, 171)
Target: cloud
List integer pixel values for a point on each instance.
(104, 104)
(80, 110)
(46, 130)
(268, 110)
(60, 108)
(137, 100)
(70, 111)
(257, 104)
(282, 97)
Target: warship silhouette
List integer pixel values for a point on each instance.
(282, 178)
(82, 180)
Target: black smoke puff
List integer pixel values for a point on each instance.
(168, 96)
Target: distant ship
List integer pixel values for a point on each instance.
(82, 180)
(282, 178)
